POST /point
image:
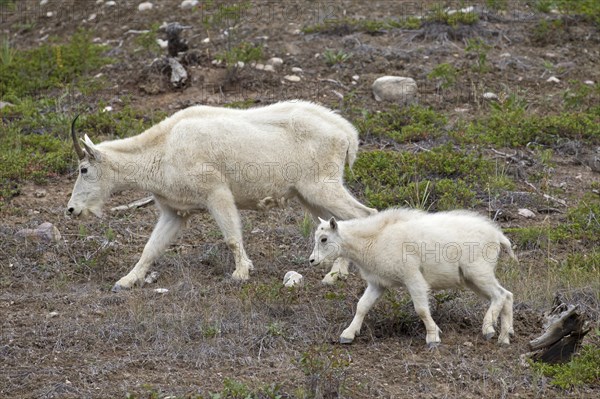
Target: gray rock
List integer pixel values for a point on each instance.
(395, 89)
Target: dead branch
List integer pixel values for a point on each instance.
(135, 204)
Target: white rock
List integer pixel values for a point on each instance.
(240, 64)
(178, 73)
(152, 277)
(394, 89)
(92, 17)
(355, 77)
(269, 68)
(45, 232)
(110, 3)
(162, 43)
(292, 278)
(52, 314)
(260, 67)
(526, 213)
(43, 2)
(297, 70)
(145, 6)
(207, 40)
(589, 82)
(490, 96)
(275, 61)
(49, 14)
(187, 4)
(161, 290)
(292, 78)
(108, 108)
(41, 193)
(505, 55)
(553, 79)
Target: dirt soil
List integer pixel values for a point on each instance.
(64, 334)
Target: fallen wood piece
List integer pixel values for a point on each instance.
(135, 204)
(564, 330)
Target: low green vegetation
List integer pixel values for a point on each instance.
(444, 74)
(244, 52)
(442, 178)
(441, 15)
(586, 9)
(410, 124)
(50, 66)
(336, 57)
(583, 369)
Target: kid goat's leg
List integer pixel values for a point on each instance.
(167, 227)
(365, 303)
(222, 207)
(418, 289)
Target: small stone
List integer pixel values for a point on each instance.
(269, 68)
(110, 3)
(394, 89)
(161, 290)
(43, 2)
(588, 82)
(468, 344)
(92, 17)
(41, 193)
(553, 79)
(52, 314)
(526, 213)
(550, 55)
(145, 6)
(260, 67)
(292, 78)
(355, 78)
(152, 277)
(297, 70)
(275, 61)
(108, 108)
(162, 43)
(240, 64)
(5, 104)
(505, 55)
(49, 14)
(292, 278)
(205, 41)
(187, 4)
(490, 96)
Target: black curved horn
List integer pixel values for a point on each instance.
(78, 148)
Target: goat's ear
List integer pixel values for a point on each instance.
(322, 220)
(333, 224)
(91, 149)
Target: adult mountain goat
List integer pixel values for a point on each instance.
(423, 252)
(217, 159)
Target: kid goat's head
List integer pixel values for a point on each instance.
(92, 187)
(327, 246)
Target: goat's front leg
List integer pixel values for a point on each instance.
(222, 207)
(169, 224)
(365, 303)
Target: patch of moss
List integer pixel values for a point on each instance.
(407, 124)
(443, 178)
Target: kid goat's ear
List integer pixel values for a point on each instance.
(332, 223)
(90, 147)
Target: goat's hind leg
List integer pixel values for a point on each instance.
(167, 227)
(418, 289)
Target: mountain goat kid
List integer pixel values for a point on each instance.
(422, 251)
(217, 159)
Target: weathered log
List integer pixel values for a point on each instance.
(564, 330)
(135, 204)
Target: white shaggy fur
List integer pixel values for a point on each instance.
(222, 160)
(422, 251)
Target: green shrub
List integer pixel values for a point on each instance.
(583, 369)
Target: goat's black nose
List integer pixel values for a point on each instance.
(71, 210)
(311, 260)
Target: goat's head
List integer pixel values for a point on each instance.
(93, 185)
(327, 242)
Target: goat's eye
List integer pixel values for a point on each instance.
(324, 239)
(83, 170)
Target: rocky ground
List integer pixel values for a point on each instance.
(64, 334)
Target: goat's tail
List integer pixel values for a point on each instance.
(352, 148)
(505, 242)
